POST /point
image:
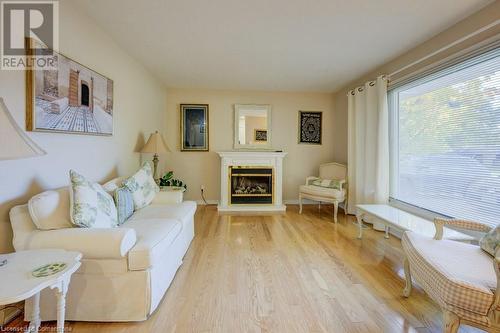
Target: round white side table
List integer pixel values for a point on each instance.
(18, 283)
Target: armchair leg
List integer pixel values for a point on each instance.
(407, 290)
(335, 210)
(300, 203)
(451, 322)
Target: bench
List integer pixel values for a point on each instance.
(400, 220)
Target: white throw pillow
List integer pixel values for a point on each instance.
(142, 186)
(91, 206)
(50, 210)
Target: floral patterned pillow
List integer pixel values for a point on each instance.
(142, 186)
(491, 241)
(91, 206)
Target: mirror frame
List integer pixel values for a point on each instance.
(265, 107)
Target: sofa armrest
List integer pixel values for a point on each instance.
(93, 243)
(310, 179)
(460, 224)
(168, 197)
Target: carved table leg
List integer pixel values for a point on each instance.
(386, 232)
(359, 217)
(451, 322)
(60, 290)
(35, 315)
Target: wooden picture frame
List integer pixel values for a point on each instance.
(73, 99)
(310, 127)
(194, 127)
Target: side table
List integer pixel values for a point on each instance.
(19, 284)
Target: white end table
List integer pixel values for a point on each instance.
(19, 284)
(392, 217)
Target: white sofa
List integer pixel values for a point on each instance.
(125, 271)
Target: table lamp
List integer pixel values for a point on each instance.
(14, 144)
(155, 145)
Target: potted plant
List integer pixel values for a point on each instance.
(168, 180)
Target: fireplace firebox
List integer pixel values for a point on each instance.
(251, 185)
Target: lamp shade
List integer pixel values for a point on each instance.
(155, 145)
(14, 143)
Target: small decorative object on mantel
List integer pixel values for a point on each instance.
(71, 99)
(310, 125)
(194, 127)
(168, 181)
(155, 145)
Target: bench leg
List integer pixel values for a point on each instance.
(407, 290)
(359, 217)
(451, 322)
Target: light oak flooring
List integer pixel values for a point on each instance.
(285, 273)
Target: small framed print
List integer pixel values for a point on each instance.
(310, 127)
(194, 127)
(260, 135)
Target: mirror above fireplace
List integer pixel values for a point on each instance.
(252, 126)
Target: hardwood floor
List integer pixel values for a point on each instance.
(286, 273)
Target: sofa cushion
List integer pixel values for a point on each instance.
(322, 192)
(124, 204)
(182, 211)
(50, 209)
(90, 205)
(154, 237)
(142, 186)
(452, 273)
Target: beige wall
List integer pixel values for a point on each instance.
(139, 109)
(482, 18)
(203, 168)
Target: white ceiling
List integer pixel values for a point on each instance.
(278, 45)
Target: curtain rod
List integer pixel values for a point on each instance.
(458, 41)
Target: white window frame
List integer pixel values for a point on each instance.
(392, 99)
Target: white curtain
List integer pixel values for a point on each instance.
(368, 144)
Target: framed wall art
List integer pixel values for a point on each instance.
(194, 127)
(69, 99)
(310, 127)
(260, 135)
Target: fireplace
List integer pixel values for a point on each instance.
(250, 185)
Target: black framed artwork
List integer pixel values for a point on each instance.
(260, 135)
(310, 127)
(194, 127)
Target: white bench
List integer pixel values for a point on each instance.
(398, 219)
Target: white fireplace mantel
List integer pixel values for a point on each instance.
(252, 158)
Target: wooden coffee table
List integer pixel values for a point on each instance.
(18, 282)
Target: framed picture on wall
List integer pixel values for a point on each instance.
(310, 127)
(260, 135)
(194, 127)
(69, 99)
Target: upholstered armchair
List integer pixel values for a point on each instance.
(463, 279)
(329, 187)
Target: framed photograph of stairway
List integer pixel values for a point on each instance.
(71, 99)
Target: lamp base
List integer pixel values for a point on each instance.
(155, 168)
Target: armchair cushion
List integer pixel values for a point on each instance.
(328, 183)
(324, 192)
(454, 274)
(93, 243)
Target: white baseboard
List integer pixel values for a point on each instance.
(209, 202)
(286, 202)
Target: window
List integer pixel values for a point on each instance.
(445, 140)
